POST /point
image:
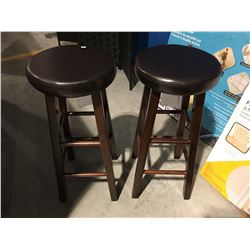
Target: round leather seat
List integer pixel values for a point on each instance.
(177, 69)
(71, 71)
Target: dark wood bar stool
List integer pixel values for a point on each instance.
(176, 70)
(67, 72)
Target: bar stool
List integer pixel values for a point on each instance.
(175, 70)
(67, 72)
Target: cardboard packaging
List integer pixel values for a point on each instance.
(227, 168)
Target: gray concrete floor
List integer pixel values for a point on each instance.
(28, 177)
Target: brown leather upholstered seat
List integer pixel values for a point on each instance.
(177, 69)
(71, 71)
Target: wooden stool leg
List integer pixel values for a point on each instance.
(194, 137)
(181, 126)
(103, 137)
(147, 132)
(66, 129)
(109, 124)
(141, 121)
(56, 147)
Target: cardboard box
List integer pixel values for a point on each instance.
(227, 168)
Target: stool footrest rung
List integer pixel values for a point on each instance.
(87, 174)
(81, 142)
(80, 113)
(170, 111)
(169, 139)
(166, 172)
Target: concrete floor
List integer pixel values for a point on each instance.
(28, 177)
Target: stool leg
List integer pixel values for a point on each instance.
(56, 147)
(194, 137)
(66, 129)
(109, 124)
(181, 126)
(103, 137)
(147, 132)
(141, 121)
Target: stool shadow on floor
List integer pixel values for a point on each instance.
(28, 176)
(168, 128)
(14, 68)
(157, 165)
(124, 131)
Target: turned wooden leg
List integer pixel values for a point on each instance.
(109, 124)
(103, 137)
(146, 135)
(141, 121)
(66, 129)
(181, 126)
(56, 147)
(194, 137)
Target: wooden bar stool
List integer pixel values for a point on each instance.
(72, 71)
(176, 70)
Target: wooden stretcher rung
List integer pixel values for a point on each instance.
(169, 139)
(81, 142)
(169, 111)
(166, 172)
(80, 113)
(87, 174)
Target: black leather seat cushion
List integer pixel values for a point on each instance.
(71, 71)
(177, 69)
